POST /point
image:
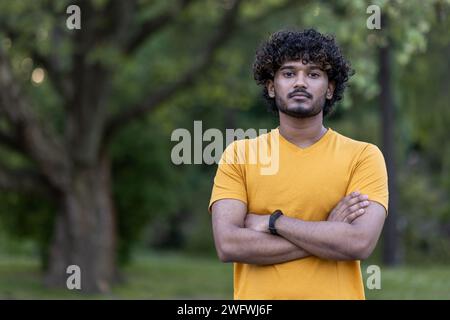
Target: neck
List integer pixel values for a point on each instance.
(302, 132)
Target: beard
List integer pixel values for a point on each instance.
(300, 109)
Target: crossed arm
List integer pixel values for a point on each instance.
(237, 243)
(348, 234)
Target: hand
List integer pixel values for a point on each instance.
(257, 222)
(349, 208)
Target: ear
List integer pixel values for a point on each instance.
(270, 88)
(330, 89)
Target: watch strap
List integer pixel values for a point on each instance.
(273, 217)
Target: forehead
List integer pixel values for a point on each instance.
(299, 64)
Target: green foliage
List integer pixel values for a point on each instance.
(144, 181)
(163, 205)
(26, 225)
(424, 178)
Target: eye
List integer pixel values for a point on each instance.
(314, 75)
(288, 74)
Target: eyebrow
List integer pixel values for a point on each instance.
(292, 67)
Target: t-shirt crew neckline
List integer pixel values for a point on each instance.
(308, 149)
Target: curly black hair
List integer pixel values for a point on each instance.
(309, 46)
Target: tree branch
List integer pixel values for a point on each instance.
(55, 75)
(151, 26)
(23, 181)
(48, 153)
(225, 29)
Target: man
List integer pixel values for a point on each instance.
(299, 233)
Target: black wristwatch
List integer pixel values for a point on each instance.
(273, 217)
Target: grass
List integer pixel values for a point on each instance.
(178, 276)
(150, 276)
(424, 283)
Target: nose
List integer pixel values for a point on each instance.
(300, 81)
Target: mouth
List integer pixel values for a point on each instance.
(299, 96)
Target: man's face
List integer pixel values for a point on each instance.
(299, 89)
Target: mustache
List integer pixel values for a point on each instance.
(302, 91)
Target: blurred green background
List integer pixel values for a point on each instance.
(86, 118)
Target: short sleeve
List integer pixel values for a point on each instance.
(370, 176)
(229, 181)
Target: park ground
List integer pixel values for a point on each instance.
(154, 275)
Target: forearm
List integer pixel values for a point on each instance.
(248, 246)
(324, 239)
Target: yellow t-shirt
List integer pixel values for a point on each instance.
(304, 183)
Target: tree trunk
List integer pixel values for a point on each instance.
(85, 231)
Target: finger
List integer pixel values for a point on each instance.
(354, 194)
(356, 207)
(355, 200)
(349, 196)
(342, 204)
(354, 215)
(352, 200)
